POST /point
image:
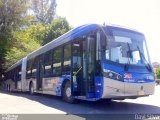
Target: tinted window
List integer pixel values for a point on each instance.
(48, 63)
(57, 61)
(29, 73)
(34, 67)
(67, 59)
(19, 73)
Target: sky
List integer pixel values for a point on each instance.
(142, 15)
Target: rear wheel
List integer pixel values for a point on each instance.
(31, 88)
(9, 87)
(66, 93)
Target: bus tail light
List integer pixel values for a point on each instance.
(98, 84)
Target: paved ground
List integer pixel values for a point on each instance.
(19, 103)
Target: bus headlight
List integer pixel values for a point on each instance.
(112, 75)
(150, 77)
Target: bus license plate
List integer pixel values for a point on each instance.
(141, 93)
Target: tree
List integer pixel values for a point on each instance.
(44, 10)
(25, 41)
(13, 14)
(20, 34)
(31, 38)
(158, 73)
(12, 17)
(58, 27)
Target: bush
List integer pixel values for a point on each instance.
(158, 73)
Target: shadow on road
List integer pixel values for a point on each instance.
(84, 107)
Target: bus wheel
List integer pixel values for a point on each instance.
(31, 88)
(9, 88)
(108, 101)
(66, 93)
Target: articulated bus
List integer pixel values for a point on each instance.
(90, 62)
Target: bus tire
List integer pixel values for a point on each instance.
(9, 89)
(108, 101)
(66, 92)
(31, 88)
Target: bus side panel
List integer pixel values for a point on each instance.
(23, 76)
(49, 85)
(53, 85)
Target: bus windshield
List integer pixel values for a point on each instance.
(126, 47)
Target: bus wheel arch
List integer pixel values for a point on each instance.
(31, 87)
(66, 91)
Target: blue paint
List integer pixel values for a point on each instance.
(137, 74)
(60, 82)
(98, 86)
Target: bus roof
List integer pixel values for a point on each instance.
(70, 35)
(123, 27)
(74, 33)
(14, 65)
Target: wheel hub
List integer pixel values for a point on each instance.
(68, 92)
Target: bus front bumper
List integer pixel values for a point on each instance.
(114, 89)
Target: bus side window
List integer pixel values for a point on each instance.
(28, 69)
(34, 67)
(67, 59)
(48, 64)
(57, 62)
(76, 55)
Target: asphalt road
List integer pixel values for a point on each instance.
(23, 103)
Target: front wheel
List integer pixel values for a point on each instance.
(109, 100)
(66, 93)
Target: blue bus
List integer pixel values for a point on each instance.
(90, 62)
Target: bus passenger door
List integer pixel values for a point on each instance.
(77, 68)
(83, 67)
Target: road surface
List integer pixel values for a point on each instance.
(23, 103)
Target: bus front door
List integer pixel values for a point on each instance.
(77, 71)
(83, 67)
(90, 67)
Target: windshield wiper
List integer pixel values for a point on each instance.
(129, 55)
(129, 52)
(147, 65)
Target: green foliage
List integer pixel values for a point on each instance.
(31, 38)
(58, 27)
(44, 10)
(3, 48)
(37, 32)
(158, 73)
(12, 17)
(22, 32)
(13, 14)
(25, 42)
